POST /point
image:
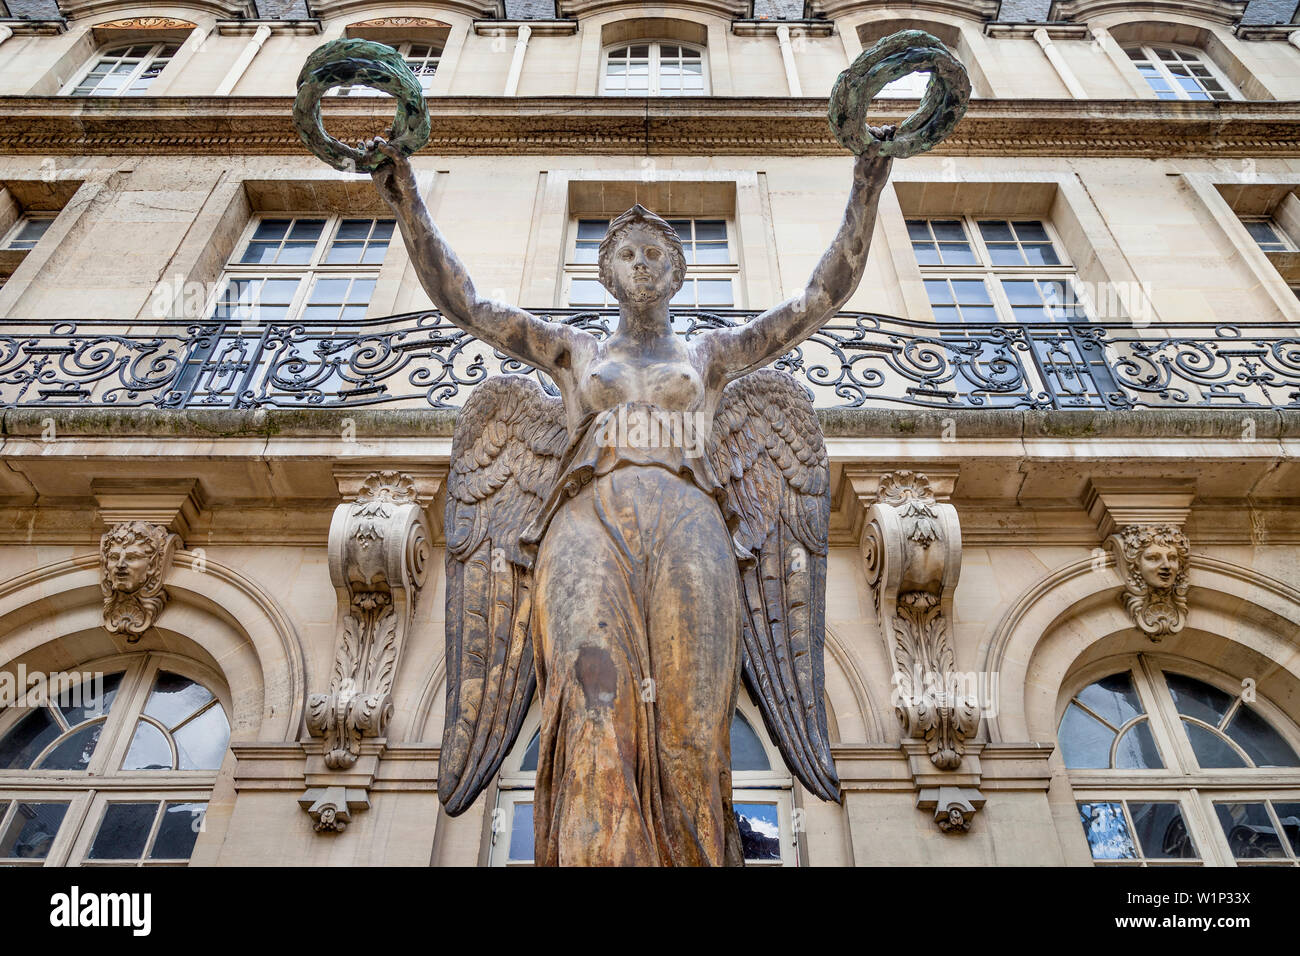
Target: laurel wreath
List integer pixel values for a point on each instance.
(897, 55)
(352, 62)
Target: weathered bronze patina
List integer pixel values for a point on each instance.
(629, 550)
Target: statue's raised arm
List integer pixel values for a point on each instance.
(731, 353)
(545, 345)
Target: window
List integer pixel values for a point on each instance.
(654, 69)
(1179, 73)
(115, 769)
(761, 798)
(712, 270)
(127, 70)
(422, 58)
(911, 86)
(1171, 767)
(28, 230)
(1268, 235)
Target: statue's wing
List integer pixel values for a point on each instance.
(505, 456)
(767, 450)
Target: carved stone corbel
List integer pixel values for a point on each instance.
(378, 560)
(912, 550)
(134, 558)
(953, 807)
(331, 808)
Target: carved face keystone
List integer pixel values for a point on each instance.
(1159, 565)
(128, 566)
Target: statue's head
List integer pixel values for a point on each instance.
(641, 258)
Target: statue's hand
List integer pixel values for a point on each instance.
(394, 177)
(871, 163)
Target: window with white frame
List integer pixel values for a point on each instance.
(991, 270)
(28, 230)
(712, 269)
(313, 268)
(113, 769)
(761, 797)
(1181, 73)
(421, 57)
(126, 70)
(1173, 763)
(1268, 235)
(654, 69)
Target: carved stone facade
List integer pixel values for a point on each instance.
(1153, 562)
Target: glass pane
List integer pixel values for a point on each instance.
(531, 754)
(1107, 831)
(271, 229)
(75, 751)
(330, 290)
(123, 831)
(996, 230)
(1041, 254)
(174, 698)
(1264, 744)
(1249, 831)
(586, 292)
(1084, 740)
(521, 834)
(1161, 831)
(201, 744)
(354, 229)
(950, 229)
(31, 832)
(710, 229)
(714, 291)
(178, 831)
(760, 830)
(89, 699)
(1137, 749)
(1113, 699)
(345, 253)
(957, 254)
(1288, 815)
(1211, 750)
(1007, 255)
(1031, 230)
(27, 739)
(260, 253)
(307, 229)
(149, 750)
(747, 751)
(296, 253)
(1194, 698)
(592, 228)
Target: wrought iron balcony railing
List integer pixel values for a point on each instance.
(420, 360)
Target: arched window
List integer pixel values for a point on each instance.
(1173, 763)
(421, 57)
(911, 86)
(1181, 73)
(654, 68)
(124, 70)
(112, 764)
(761, 797)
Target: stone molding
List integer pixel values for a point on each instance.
(657, 126)
(173, 504)
(1114, 503)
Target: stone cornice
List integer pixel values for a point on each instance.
(1082, 11)
(23, 27)
(964, 9)
(668, 126)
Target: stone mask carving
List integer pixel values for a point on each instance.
(1153, 561)
(134, 558)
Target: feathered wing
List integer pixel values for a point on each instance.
(505, 457)
(769, 454)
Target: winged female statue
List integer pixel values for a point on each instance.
(631, 550)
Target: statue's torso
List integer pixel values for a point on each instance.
(671, 381)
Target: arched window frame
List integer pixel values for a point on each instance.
(774, 786)
(154, 51)
(1158, 65)
(653, 66)
(1182, 781)
(90, 792)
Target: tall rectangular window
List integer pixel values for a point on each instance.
(712, 267)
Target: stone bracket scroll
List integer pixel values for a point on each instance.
(379, 546)
(911, 544)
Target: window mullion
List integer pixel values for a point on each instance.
(119, 726)
(1166, 724)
